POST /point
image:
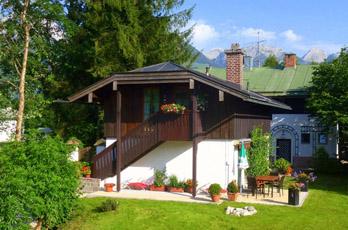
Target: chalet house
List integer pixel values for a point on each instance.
(201, 142)
(296, 134)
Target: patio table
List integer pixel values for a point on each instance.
(268, 180)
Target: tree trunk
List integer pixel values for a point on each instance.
(21, 88)
(38, 225)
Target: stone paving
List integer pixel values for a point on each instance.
(200, 198)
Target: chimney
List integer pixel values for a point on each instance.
(290, 60)
(234, 64)
(207, 70)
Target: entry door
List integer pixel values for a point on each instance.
(284, 149)
(151, 101)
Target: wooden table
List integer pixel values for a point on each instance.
(268, 179)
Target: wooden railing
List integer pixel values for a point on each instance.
(142, 139)
(104, 163)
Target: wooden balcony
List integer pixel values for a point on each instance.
(142, 139)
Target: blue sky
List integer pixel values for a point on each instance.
(294, 25)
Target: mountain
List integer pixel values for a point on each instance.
(214, 53)
(216, 57)
(315, 55)
(332, 57)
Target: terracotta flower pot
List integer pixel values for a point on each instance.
(173, 189)
(88, 176)
(215, 198)
(108, 187)
(155, 188)
(232, 196)
(189, 190)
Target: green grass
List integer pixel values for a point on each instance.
(325, 208)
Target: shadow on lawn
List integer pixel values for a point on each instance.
(337, 183)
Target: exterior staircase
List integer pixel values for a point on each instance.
(141, 140)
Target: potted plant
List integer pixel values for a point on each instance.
(108, 187)
(158, 183)
(189, 186)
(86, 170)
(304, 179)
(174, 185)
(294, 193)
(232, 190)
(215, 191)
(281, 165)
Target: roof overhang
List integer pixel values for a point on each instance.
(183, 76)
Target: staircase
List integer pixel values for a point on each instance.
(141, 140)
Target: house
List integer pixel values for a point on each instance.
(200, 143)
(296, 134)
(7, 126)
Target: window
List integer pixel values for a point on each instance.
(322, 138)
(305, 138)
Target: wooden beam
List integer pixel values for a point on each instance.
(118, 139)
(90, 97)
(114, 85)
(192, 84)
(221, 95)
(194, 143)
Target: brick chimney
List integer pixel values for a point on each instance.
(290, 60)
(234, 64)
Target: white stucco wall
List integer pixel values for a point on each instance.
(216, 163)
(7, 130)
(296, 121)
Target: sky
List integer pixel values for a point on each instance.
(293, 25)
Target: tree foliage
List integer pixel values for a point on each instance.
(271, 61)
(328, 98)
(38, 182)
(258, 154)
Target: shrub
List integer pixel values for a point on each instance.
(174, 182)
(232, 187)
(281, 165)
(258, 154)
(38, 182)
(189, 183)
(324, 164)
(108, 205)
(214, 189)
(159, 177)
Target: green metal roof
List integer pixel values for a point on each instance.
(273, 82)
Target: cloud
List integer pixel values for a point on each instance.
(202, 34)
(291, 36)
(254, 33)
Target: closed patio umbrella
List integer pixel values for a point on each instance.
(242, 164)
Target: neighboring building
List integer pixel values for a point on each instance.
(201, 143)
(296, 135)
(7, 127)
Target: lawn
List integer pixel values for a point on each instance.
(325, 208)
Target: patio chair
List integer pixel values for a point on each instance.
(255, 186)
(280, 185)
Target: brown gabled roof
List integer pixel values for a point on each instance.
(169, 72)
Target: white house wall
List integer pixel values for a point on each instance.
(7, 130)
(216, 163)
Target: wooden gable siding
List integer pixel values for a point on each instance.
(231, 118)
(132, 110)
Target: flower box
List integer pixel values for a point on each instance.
(174, 189)
(173, 108)
(137, 186)
(155, 188)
